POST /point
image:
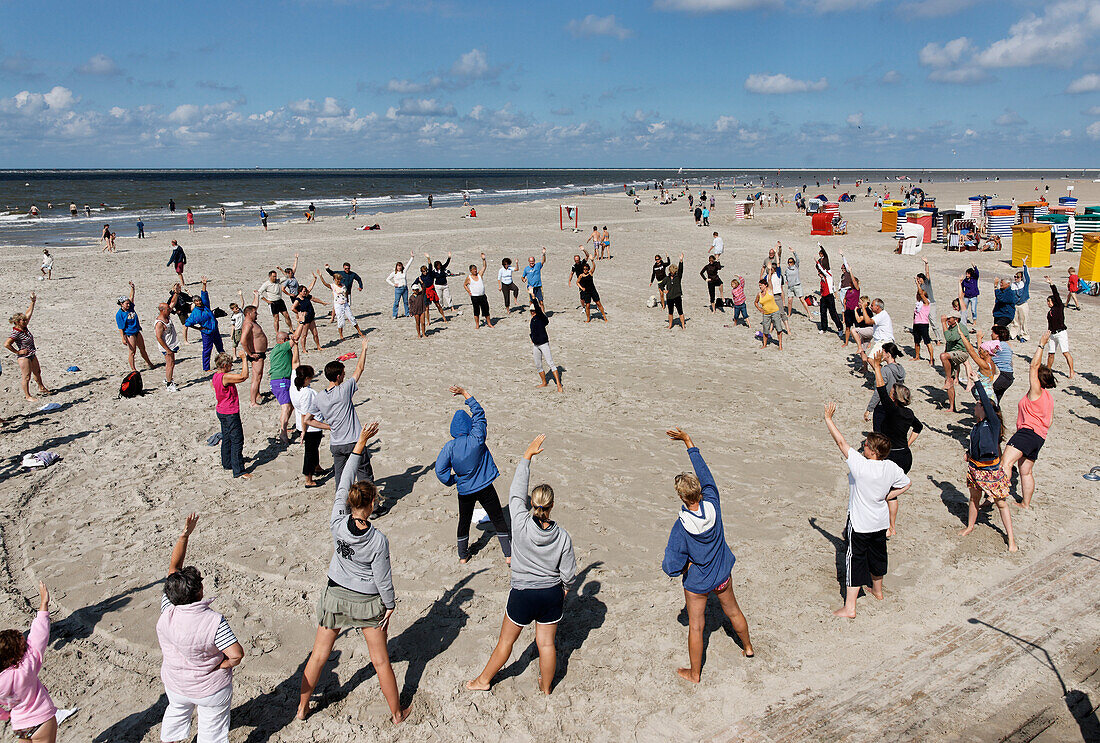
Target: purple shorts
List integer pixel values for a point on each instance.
(281, 389)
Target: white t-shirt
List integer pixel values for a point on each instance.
(301, 399)
(397, 279)
(775, 280)
(869, 482)
(238, 320)
(718, 246)
(883, 327)
(504, 275)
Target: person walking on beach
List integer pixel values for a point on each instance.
(199, 652)
(430, 200)
(466, 462)
(21, 343)
(596, 239)
(543, 570)
(828, 301)
(171, 206)
(228, 408)
(164, 330)
(23, 697)
(254, 345)
(333, 409)
(47, 265)
(674, 293)
(221, 211)
(709, 273)
(532, 276)
(271, 293)
(140, 229)
(129, 328)
(263, 218)
(1056, 328)
(540, 342)
(507, 284)
(203, 318)
(872, 481)
(400, 285)
(190, 220)
(698, 552)
(717, 246)
(589, 295)
(984, 476)
(771, 323)
(660, 267)
(475, 288)
(1034, 416)
(605, 244)
(177, 260)
(358, 593)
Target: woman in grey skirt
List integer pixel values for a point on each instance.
(359, 591)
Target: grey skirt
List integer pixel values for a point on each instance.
(339, 608)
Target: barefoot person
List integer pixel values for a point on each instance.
(177, 260)
(475, 288)
(358, 594)
(24, 699)
(872, 481)
(301, 395)
(129, 328)
(1033, 418)
(21, 343)
(164, 330)
(466, 462)
(893, 418)
(540, 343)
(506, 283)
(660, 267)
(254, 345)
(532, 276)
(543, 570)
(697, 551)
(271, 292)
(674, 293)
(709, 273)
(228, 409)
(771, 322)
(1056, 328)
(954, 353)
(200, 652)
(589, 295)
(279, 373)
(307, 315)
(984, 476)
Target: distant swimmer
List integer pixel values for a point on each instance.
(171, 205)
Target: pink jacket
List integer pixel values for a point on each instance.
(191, 660)
(20, 690)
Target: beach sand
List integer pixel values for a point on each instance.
(99, 526)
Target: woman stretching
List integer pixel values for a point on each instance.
(658, 275)
(709, 273)
(1033, 419)
(475, 287)
(21, 343)
(697, 549)
(228, 408)
(984, 475)
(359, 592)
(921, 320)
(894, 419)
(301, 397)
(542, 573)
(24, 700)
(674, 294)
(828, 302)
(400, 286)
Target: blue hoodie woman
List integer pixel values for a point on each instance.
(466, 462)
(697, 549)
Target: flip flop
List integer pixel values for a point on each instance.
(314, 485)
(347, 356)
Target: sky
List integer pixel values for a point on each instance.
(636, 83)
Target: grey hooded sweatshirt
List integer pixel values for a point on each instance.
(541, 558)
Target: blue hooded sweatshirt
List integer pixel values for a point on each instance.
(698, 540)
(466, 453)
(203, 317)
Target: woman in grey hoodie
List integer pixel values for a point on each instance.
(543, 568)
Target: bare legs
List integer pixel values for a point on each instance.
(696, 607)
(1011, 457)
(29, 367)
(949, 380)
(557, 378)
(1069, 359)
(1002, 506)
(379, 658)
(257, 378)
(509, 633)
(848, 611)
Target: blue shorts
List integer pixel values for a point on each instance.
(537, 291)
(281, 389)
(539, 605)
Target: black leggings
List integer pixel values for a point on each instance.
(711, 286)
(509, 290)
(828, 305)
(488, 499)
(311, 460)
(902, 458)
(1002, 383)
(676, 305)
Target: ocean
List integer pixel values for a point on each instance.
(121, 197)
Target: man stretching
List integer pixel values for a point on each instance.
(254, 343)
(335, 405)
(165, 331)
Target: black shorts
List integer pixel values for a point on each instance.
(1001, 383)
(481, 306)
(589, 297)
(866, 557)
(920, 334)
(849, 318)
(675, 305)
(1028, 442)
(539, 605)
(278, 307)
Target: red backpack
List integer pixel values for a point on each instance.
(131, 385)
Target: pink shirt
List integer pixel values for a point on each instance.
(20, 690)
(226, 395)
(1036, 414)
(738, 291)
(920, 314)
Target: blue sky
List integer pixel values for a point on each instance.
(638, 83)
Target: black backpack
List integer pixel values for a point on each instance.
(131, 385)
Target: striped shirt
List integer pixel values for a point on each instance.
(223, 638)
(24, 341)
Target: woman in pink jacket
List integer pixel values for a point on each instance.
(23, 698)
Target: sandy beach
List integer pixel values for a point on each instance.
(98, 527)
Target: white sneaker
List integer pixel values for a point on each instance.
(171, 387)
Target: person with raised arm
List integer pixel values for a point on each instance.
(271, 293)
(540, 342)
(532, 276)
(984, 476)
(674, 293)
(21, 343)
(203, 318)
(129, 329)
(199, 652)
(872, 481)
(893, 417)
(165, 332)
(697, 551)
(24, 699)
(475, 288)
(333, 409)
(358, 593)
(1058, 336)
(1034, 415)
(543, 569)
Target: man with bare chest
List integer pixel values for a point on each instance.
(254, 342)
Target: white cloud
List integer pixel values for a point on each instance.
(1067, 133)
(100, 64)
(714, 6)
(1086, 84)
(1057, 37)
(331, 107)
(594, 25)
(1094, 130)
(960, 76)
(421, 107)
(185, 113)
(781, 84)
(472, 64)
(890, 77)
(1094, 111)
(947, 54)
(409, 87)
(304, 106)
(855, 119)
(726, 123)
(57, 100)
(1009, 118)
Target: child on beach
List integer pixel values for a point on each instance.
(47, 265)
(740, 304)
(697, 551)
(1073, 288)
(24, 700)
(418, 308)
(872, 481)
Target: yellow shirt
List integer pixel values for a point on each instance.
(767, 302)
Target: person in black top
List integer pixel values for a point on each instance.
(589, 294)
(540, 342)
(895, 420)
(714, 281)
(307, 315)
(439, 275)
(658, 275)
(577, 269)
(1056, 324)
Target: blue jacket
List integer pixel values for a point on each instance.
(698, 541)
(466, 453)
(1004, 303)
(203, 317)
(970, 285)
(1024, 292)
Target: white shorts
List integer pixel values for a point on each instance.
(213, 716)
(1058, 342)
(540, 354)
(343, 315)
